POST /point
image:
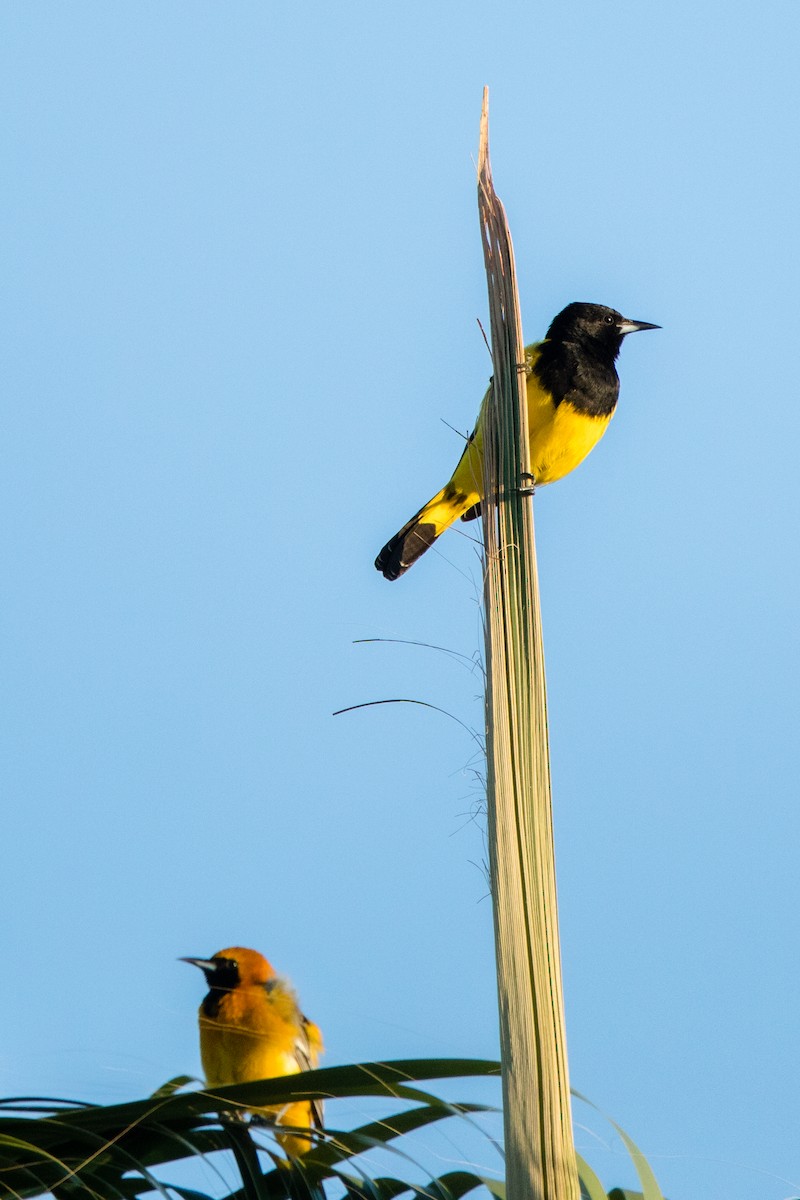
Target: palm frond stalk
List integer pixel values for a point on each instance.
(540, 1154)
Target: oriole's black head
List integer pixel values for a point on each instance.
(594, 327)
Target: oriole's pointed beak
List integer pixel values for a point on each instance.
(627, 326)
(205, 964)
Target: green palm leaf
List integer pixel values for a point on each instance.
(119, 1152)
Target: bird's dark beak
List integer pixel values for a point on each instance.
(626, 326)
(205, 964)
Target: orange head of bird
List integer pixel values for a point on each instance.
(234, 967)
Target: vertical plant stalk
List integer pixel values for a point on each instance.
(540, 1153)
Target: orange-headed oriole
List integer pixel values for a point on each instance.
(251, 1027)
(572, 389)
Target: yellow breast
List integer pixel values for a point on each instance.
(246, 1040)
(560, 436)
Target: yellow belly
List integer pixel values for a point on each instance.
(560, 438)
(562, 442)
(239, 1046)
(233, 1055)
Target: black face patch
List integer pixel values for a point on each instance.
(221, 978)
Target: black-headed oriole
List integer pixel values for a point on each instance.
(572, 389)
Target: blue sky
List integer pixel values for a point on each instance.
(241, 275)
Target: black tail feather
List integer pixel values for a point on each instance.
(403, 550)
